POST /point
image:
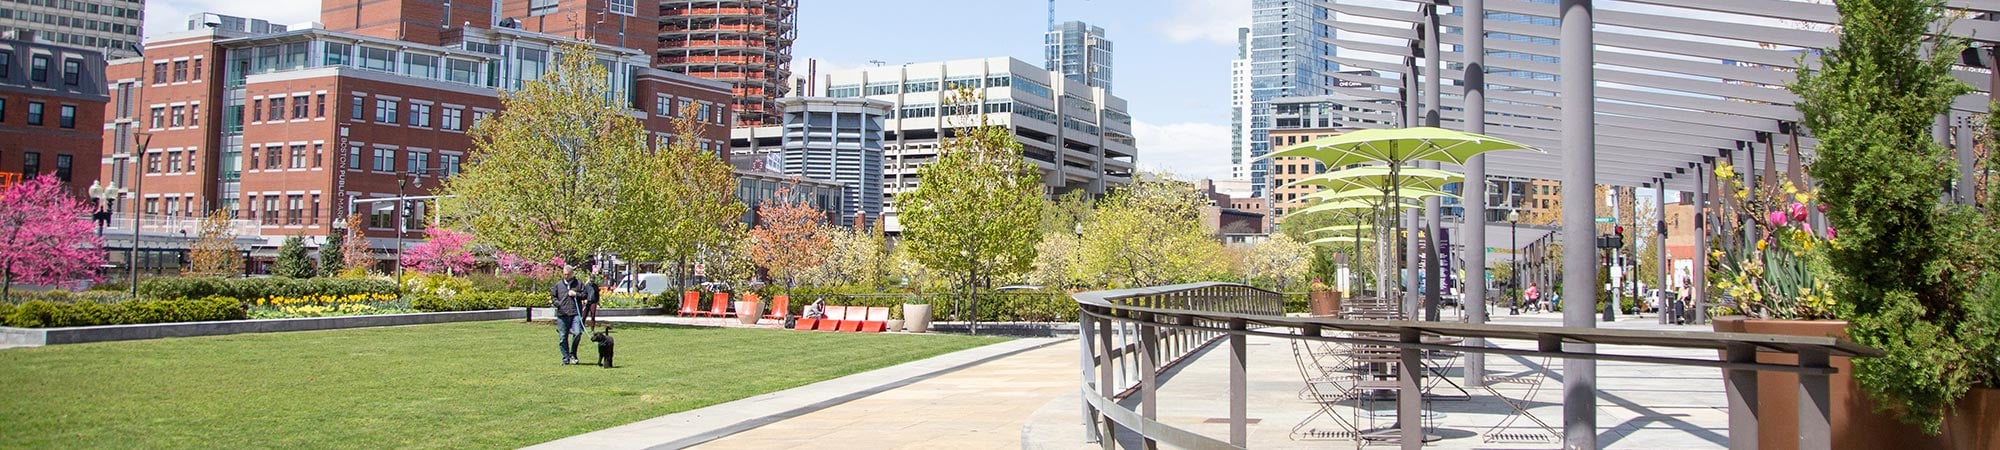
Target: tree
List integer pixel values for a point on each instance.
(214, 253)
(331, 259)
(445, 252)
(1279, 259)
(1149, 234)
(292, 260)
(728, 262)
(553, 174)
(354, 247)
(45, 235)
(975, 211)
(1908, 265)
(1056, 264)
(504, 262)
(790, 237)
(853, 257)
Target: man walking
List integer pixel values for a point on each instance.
(567, 298)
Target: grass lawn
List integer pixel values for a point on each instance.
(462, 385)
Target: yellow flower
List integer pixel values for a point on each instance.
(1717, 254)
(1761, 245)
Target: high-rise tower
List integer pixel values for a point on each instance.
(746, 43)
(1080, 52)
(1288, 50)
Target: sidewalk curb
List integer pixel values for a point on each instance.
(694, 427)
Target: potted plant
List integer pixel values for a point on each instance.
(1914, 273)
(916, 313)
(895, 318)
(1322, 300)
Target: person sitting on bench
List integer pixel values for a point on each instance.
(816, 310)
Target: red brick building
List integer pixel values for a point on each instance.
(51, 112)
(291, 130)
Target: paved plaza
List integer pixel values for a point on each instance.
(1023, 394)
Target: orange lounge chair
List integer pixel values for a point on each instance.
(855, 315)
(718, 306)
(877, 320)
(805, 324)
(834, 316)
(780, 306)
(690, 304)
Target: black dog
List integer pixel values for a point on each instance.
(604, 346)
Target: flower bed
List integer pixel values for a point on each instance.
(40, 314)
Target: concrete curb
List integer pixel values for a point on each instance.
(36, 337)
(690, 428)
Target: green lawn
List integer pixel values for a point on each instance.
(464, 385)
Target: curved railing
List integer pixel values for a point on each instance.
(1131, 337)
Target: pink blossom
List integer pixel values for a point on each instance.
(1829, 232)
(1777, 218)
(1798, 212)
(512, 263)
(46, 236)
(445, 252)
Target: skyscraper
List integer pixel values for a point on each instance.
(1080, 52)
(1288, 53)
(109, 26)
(746, 43)
(1239, 106)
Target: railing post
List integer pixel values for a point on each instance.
(1742, 392)
(1083, 339)
(1815, 428)
(1104, 386)
(1149, 364)
(1410, 395)
(1239, 404)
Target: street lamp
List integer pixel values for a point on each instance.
(1514, 259)
(138, 190)
(104, 194)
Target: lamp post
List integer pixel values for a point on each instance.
(138, 191)
(103, 194)
(1514, 259)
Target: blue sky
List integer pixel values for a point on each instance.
(1171, 57)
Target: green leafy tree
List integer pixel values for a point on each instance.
(1278, 261)
(1056, 264)
(685, 202)
(975, 212)
(214, 251)
(331, 258)
(293, 262)
(1150, 234)
(1910, 265)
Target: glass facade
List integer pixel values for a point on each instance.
(1287, 58)
(1080, 52)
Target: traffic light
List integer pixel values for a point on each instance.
(1619, 231)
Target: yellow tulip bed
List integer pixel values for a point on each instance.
(327, 306)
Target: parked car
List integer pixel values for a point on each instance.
(646, 283)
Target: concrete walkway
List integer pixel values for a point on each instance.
(804, 415)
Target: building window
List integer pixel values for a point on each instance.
(152, 206)
(34, 113)
(196, 73)
(421, 66)
(159, 73)
(319, 107)
(312, 215)
(38, 68)
(152, 163)
(448, 165)
(66, 116)
(450, 119)
(663, 106)
(159, 117)
(31, 164)
(179, 117)
(180, 71)
(319, 154)
(173, 162)
(337, 54)
(378, 59)
(3, 112)
(301, 107)
(6, 63)
(194, 115)
(622, 7)
(385, 111)
(297, 204)
(354, 157)
(271, 209)
(72, 71)
(385, 160)
(461, 71)
(298, 156)
(420, 115)
(354, 110)
(541, 7)
(479, 116)
(253, 157)
(419, 163)
(277, 109)
(257, 110)
(63, 162)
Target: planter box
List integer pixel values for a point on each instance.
(1323, 303)
(1855, 423)
(104, 333)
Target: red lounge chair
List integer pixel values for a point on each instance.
(805, 324)
(877, 320)
(834, 315)
(718, 306)
(780, 306)
(855, 315)
(690, 304)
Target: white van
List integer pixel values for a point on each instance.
(649, 284)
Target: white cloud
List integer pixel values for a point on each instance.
(1188, 151)
(170, 16)
(1213, 21)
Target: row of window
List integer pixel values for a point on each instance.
(387, 109)
(283, 157)
(67, 21)
(182, 71)
(277, 108)
(172, 159)
(88, 7)
(31, 165)
(65, 115)
(176, 116)
(38, 68)
(710, 113)
(286, 209)
(175, 205)
(75, 39)
(416, 162)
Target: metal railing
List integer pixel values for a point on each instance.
(1131, 337)
(191, 225)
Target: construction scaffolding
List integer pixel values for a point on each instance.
(746, 43)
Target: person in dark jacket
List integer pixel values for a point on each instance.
(567, 298)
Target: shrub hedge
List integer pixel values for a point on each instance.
(40, 313)
(475, 301)
(256, 288)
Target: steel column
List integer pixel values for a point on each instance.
(1104, 368)
(1741, 388)
(1433, 207)
(1149, 367)
(1410, 265)
(1473, 195)
(1239, 403)
(1663, 278)
(1699, 283)
(1967, 186)
(1083, 339)
(1409, 393)
(1815, 426)
(1579, 146)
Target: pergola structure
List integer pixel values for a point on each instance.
(1656, 94)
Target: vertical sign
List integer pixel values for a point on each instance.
(1444, 263)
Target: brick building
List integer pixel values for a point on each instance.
(291, 130)
(51, 112)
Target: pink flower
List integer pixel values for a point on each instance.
(1798, 212)
(1829, 232)
(1777, 218)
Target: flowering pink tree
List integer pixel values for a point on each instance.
(445, 252)
(45, 235)
(512, 263)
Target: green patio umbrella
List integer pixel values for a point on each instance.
(1381, 177)
(1340, 240)
(1338, 229)
(1407, 194)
